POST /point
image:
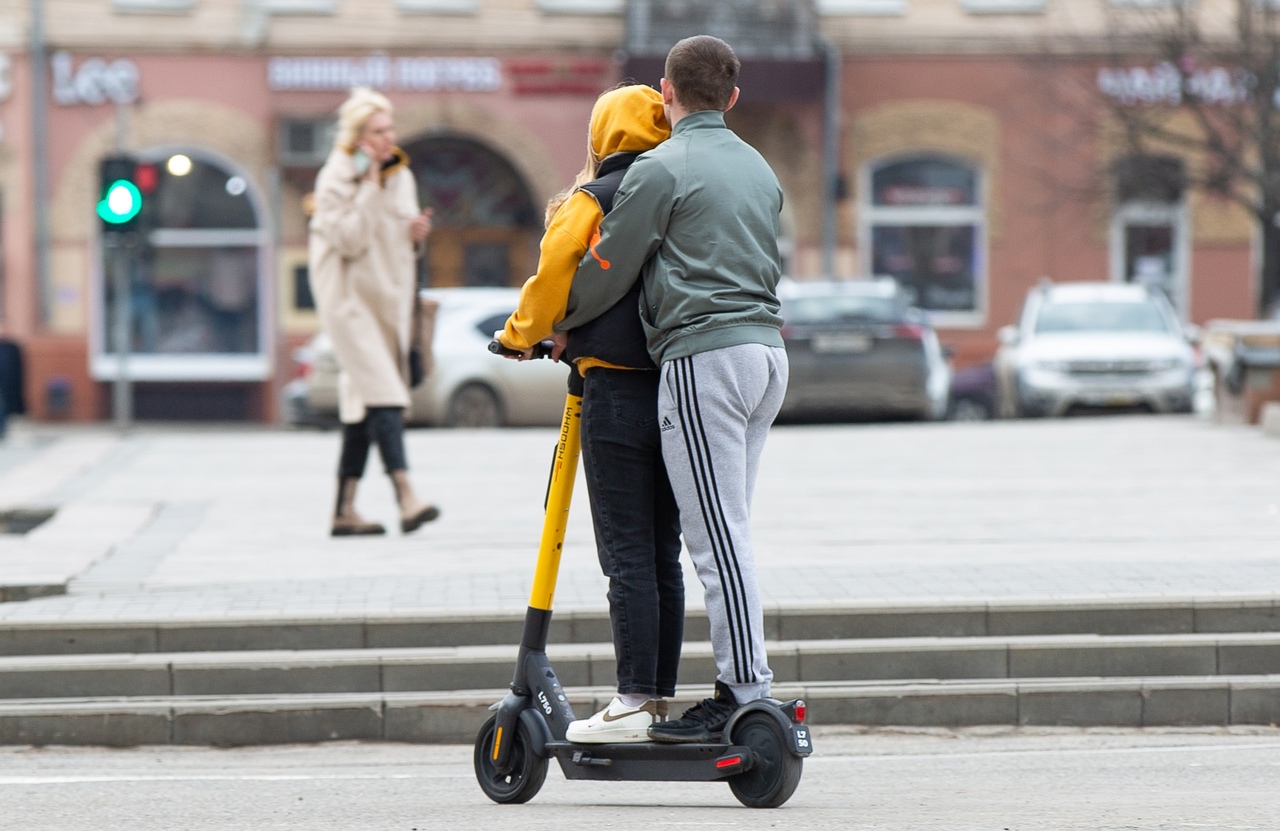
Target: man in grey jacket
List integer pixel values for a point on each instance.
(696, 219)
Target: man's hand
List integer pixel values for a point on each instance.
(420, 227)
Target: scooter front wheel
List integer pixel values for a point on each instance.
(528, 771)
(774, 776)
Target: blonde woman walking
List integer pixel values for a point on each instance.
(362, 268)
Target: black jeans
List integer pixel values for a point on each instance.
(637, 526)
(381, 425)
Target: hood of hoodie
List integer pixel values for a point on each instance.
(628, 120)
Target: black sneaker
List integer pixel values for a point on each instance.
(701, 723)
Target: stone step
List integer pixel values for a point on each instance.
(397, 670)
(1106, 616)
(457, 716)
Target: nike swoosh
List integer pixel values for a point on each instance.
(607, 717)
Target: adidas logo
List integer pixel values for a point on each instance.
(667, 424)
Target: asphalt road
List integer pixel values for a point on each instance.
(973, 780)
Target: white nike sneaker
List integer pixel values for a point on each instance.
(618, 723)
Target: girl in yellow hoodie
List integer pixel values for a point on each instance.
(637, 524)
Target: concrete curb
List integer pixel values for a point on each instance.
(1024, 616)
(455, 717)
(586, 665)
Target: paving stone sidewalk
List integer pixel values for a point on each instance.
(215, 523)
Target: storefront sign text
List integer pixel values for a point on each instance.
(96, 81)
(383, 72)
(1164, 83)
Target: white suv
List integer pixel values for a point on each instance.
(1095, 346)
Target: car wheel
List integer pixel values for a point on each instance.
(474, 405)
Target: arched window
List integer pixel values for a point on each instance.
(923, 225)
(195, 299)
(486, 225)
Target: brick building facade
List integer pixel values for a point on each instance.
(962, 173)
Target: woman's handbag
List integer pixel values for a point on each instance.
(422, 333)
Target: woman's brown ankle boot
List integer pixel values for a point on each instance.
(346, 522)
(413, 514)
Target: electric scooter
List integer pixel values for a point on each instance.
(761, 751)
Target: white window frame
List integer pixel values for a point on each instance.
(460, 7)
(1150, 212)
(1004, 6)
(870, 8)
(153, 6)
(601, 7)
(870, 215)
(230, 367)
(284, 8)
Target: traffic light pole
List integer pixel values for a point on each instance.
(120, 250)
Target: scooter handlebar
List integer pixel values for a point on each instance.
(542, 349)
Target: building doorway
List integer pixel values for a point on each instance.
(1150, 238)
(486, 227)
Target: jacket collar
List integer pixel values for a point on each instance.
(398, 161)
(616, 161)
(701, 120)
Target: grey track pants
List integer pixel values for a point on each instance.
(714, 409)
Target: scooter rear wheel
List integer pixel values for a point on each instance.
(528, 771)
(776, 773)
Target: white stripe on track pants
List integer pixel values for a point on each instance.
(715, 409)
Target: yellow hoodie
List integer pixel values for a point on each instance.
(625, 120)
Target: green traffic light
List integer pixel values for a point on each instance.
(121, 203)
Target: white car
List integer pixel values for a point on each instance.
(468, 386)
(1096, 346)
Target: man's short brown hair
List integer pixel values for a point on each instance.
(704, 70)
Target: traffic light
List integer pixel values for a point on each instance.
(126, 184)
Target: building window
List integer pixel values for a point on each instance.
(1003, 6)
(438, 6)
(863, 7)
(581, 6)
(195, 289)
(924, 225)
(153, 6)
(301, 7)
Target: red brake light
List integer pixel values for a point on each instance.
(729, 761)
(800, 710)
(908, 330)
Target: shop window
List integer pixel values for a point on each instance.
(195, 287)
(486, 228)
(923, 225)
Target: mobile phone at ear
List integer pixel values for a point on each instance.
(362, 161)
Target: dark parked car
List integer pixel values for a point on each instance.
(856, 347)
(974, 395)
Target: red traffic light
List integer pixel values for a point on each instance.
(146, 176)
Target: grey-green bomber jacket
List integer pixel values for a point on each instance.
(697, 219)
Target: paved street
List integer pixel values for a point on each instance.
(938, 780)
(200, 523)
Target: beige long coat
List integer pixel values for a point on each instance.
(362, 271)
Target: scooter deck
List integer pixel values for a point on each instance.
(651, 761)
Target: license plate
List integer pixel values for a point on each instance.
(841, 342)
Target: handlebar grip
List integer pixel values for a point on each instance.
(542, 349)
